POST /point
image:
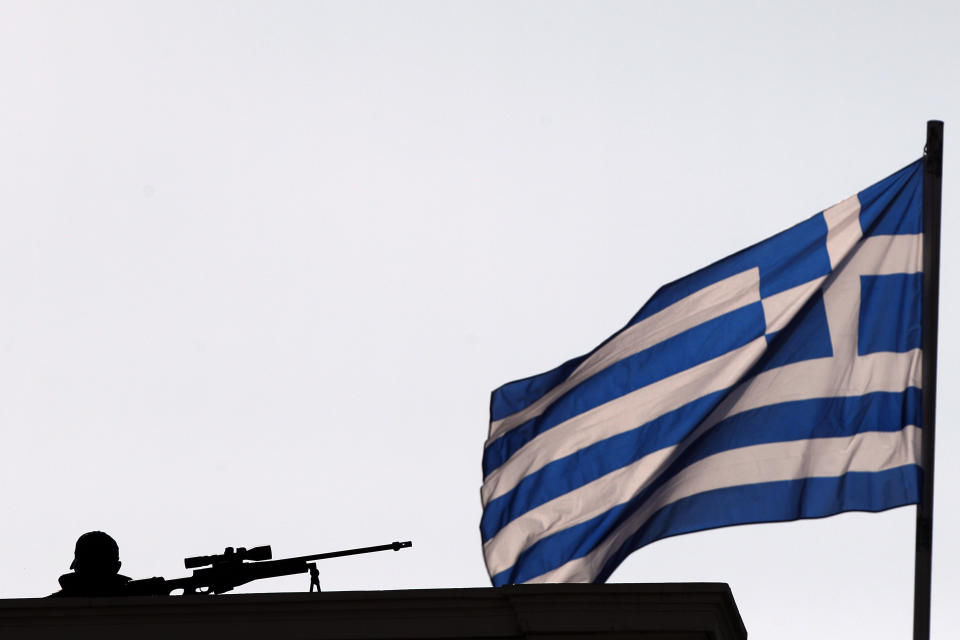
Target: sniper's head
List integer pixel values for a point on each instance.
(96, 554)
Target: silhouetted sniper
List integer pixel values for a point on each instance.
(96, 566)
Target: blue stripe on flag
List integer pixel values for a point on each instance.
(890, 207)
(803, 419)
(520, 394)
(890, 310)
(805, 338)
(788, 259)
(699, 344)
(774, 502)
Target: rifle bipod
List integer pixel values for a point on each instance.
(314, 576)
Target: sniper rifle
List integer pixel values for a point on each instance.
(234, 567)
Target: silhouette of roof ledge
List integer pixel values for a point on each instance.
(678, 611)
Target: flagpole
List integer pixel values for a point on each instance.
(932, 178)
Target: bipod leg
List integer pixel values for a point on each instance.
(314, 577)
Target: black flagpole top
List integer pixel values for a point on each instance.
(933, 150)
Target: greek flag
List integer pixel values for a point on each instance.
(781, 382)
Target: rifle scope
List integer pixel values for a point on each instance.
(229, 555)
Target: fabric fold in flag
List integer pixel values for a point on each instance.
(782, 382)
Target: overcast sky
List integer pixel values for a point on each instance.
(261, 264)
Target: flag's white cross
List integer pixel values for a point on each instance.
(846, 372)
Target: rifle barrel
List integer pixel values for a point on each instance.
(393, 546)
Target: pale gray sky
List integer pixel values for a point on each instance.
(263, 263)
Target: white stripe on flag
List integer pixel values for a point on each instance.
(843, 229)
(572, 508)
(711, 302)
(872, 451)
(623, 414)
(780, 308)
(821, 378)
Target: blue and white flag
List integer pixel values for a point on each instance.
(782, 382)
